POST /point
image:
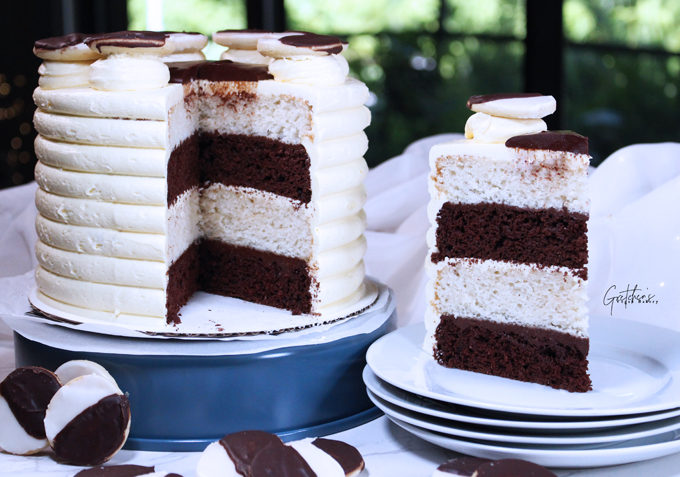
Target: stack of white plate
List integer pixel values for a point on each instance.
(632, 413)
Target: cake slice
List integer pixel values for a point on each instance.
(508, 248)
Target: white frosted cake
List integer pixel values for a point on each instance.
(236, 179)
(508, 246)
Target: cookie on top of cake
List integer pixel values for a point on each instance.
(158, 179)
(508, 249)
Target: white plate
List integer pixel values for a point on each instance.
(423, 405)
(635, 369)
(625, 452)
(471, 431)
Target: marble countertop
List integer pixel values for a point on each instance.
(388, 450)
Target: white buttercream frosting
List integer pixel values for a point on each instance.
(64, 74)
(125, 73)
(484, 128)
(328, 70)
(115, 299)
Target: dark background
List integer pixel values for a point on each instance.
(615, 92)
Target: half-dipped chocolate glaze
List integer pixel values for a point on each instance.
(28, 390)
(224, 70)
(242, 448)
(94, 435)
(512, 468)
(129, 39)
(567, 141)
(346, 455)
(486, 98)
(280, 461)
(127, 470)
(59, 42)
(330, 44)
(462, 466)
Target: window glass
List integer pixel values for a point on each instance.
(204, 16)
(362, 16)
(631, 23)
(622, 72)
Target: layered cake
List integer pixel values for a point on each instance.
(158, 180)
(508, 248)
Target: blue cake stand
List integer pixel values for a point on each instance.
(187, 394)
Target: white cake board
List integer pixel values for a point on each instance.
(204, 316)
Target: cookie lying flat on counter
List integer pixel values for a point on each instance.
(123, 471)
(463, 466)
(478, 467)
(258, 453)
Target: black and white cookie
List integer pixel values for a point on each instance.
(87, 421)
(260, 454)
(462, 466)
(512, 468)
(123, 471)
(81, 367)
(65, 48)
(300, 44)
(24, 396)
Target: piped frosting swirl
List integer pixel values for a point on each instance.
(500, 117)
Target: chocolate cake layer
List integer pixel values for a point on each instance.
(182, 282)
(547, 237)
(547, 357)
(255, 276)
(183, 169)
(257, 162)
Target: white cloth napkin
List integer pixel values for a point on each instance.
(634, 233)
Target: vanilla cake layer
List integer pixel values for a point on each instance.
(468, 172)
(551, 298)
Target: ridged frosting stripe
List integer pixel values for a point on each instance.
(100, 269)
(102, 131)
(99, 241)
(102, 187)
(98, 296)
(90, 213)
(128, 161)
